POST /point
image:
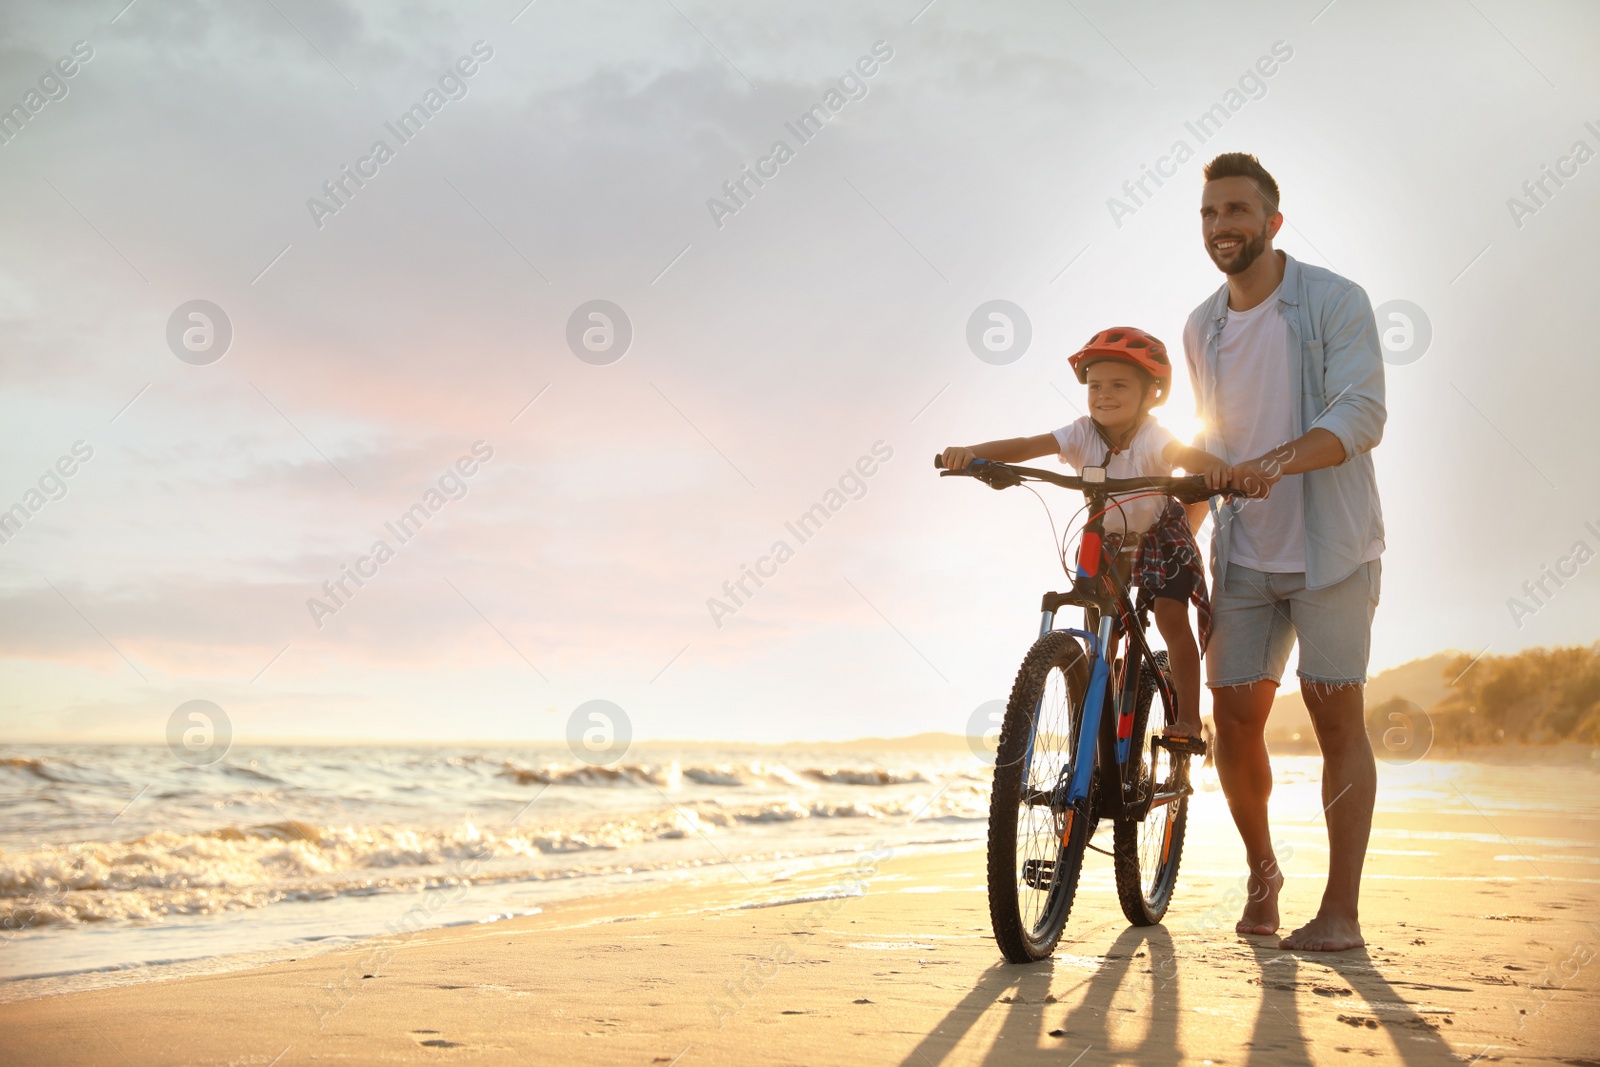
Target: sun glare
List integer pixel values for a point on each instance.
(1184, 426)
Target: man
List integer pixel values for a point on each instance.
(1289, 377)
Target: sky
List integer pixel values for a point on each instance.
(386, 338)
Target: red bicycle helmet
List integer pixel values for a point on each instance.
(1129, 345)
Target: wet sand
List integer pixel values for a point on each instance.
(1480, 921)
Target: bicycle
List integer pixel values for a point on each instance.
(1075, 696)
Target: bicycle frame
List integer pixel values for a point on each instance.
(1108, 738)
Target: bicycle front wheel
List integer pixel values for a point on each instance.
(1146, 853)
(1035, 851)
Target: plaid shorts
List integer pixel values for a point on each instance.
(1167, 564)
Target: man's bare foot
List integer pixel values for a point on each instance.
(1261, 909)
(1325, 933)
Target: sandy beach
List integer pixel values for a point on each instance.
(1479, 913)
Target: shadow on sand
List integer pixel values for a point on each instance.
(1102, 1025)
(1279, 1038)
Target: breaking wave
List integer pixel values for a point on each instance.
(671, 774)
(165, 874)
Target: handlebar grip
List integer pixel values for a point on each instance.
(938, 460)
(1193, 490)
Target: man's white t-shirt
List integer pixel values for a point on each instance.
(1255, 414)
(1081, 445)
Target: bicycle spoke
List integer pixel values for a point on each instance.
(1148, 850)
(1039, 827)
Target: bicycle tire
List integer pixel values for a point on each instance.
(1146, 853)
(1039, 731)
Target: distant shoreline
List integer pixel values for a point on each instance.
(1565, 752)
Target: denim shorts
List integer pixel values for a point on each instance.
(1256, 617)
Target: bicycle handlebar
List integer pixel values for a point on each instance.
(1189, 490)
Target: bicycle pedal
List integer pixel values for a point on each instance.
(1186, 746)
(1038, 874)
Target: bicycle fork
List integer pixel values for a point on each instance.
(1087, 749)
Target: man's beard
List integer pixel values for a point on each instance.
(1246, 255)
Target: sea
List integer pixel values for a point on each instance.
(119, 863)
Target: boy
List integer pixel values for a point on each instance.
(1127, 373)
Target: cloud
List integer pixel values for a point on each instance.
(432, 309)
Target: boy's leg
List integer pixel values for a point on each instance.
(1172, 619)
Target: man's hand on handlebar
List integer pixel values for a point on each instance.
(1255, 477)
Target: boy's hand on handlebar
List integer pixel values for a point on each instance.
(958, 458)
(1213, 470)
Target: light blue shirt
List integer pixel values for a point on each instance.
(1336, 382)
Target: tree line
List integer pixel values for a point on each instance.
(1540, 696)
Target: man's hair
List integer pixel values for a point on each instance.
(1246, 166)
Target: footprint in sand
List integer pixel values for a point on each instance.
(433, 1042)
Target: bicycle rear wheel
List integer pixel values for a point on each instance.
(1034, 856)
(1146, 853)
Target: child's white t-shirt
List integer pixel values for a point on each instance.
(1082, 446)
